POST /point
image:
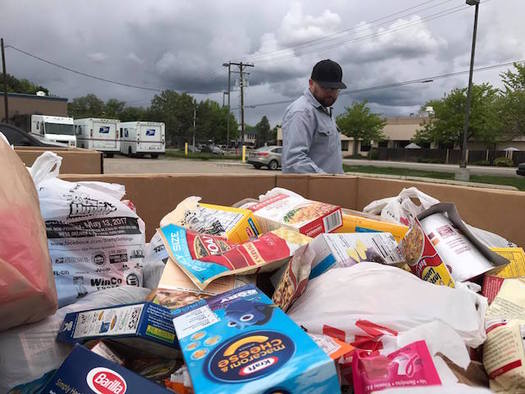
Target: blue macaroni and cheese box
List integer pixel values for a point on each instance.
(145, 326)
(239, 341)
(86, 372)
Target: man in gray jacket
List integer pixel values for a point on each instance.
(311, 142)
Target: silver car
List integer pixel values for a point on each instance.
(268, 156)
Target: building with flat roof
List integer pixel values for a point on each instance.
(31, 104)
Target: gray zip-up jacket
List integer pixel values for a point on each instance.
(311, 142)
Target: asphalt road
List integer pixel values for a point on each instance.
(125, 165)
(474, 170)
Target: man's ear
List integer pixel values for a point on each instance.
(311, 83)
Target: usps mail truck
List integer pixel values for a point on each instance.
(98, 134)
(142, 138)
(54, 128)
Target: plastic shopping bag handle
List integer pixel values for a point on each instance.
(46, 166)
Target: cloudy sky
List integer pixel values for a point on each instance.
(181, 45)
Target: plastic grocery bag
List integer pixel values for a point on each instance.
(96, 241)
(401, 209)
(30, 351)
(390, 297)
(27, 288)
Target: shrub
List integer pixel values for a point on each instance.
(503, 162)
(482, 163)
(373, 154)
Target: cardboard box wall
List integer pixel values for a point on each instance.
(74, 160)
(154, 195)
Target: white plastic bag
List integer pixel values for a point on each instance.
(401, 209)
(28, 352)
(95, 240)
(390, 297)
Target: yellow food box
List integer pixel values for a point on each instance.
(516, 266)
(359, 224)
(239, 224)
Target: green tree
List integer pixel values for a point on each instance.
(360, 123)
(513, 101)
(211, 122)
(113, 108)
(130, 114)
(262, 132)
(176, 111)
(446, 124)
(15, 85)
(89, 106)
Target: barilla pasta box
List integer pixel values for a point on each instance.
(237, 225)
(344, 250)
(281, 207)
(145, 326)
(240, 342)
(86, 372)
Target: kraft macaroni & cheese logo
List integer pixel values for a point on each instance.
(250, 356)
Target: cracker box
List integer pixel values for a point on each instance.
(281, 207)
(344, 250)
(237, 225)
(86, 372)
(240, 342)
(145, 326)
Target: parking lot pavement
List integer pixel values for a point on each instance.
(125, 165)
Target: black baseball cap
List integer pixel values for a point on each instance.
(328, 74)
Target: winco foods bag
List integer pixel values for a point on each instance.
(27, 288)
(95, 240)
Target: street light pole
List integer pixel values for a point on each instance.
(463, 162)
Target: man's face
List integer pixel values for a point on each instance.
(326, 97)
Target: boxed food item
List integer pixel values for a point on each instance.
(145, 326)
(86, 372)
(281, 207)
(465, 256)
(237, 225)
(176, 289)
(238, 341)
(191, 252)
(357, 222)
(344, 250)
(516, 266)
(423, 259)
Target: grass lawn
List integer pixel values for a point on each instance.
(519, 183)
(179, 154)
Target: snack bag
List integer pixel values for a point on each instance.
(423, 259)
(190, 251)
(409, 366)
(281, 207)
(237, 225)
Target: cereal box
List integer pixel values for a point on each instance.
(268, 252)
(344, 250)
(354, 222)
(86, 372)
(240, 342)
(144, 326)
(281, 207)
(237, 225)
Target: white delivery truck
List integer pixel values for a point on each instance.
(98, 134)
(54, 128)
(139, 138)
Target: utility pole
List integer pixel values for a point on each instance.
(6, 105)
(241, 66)
(194, 120)
(463, 174)
(229, 65)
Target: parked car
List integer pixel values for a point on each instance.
(521, 169)
(268, 156)
(19, 137)
(214, 149)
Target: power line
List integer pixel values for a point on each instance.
(83, 73)
(402, 83)
(331, 37)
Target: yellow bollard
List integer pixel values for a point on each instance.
(244, 154)
(186, 149)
